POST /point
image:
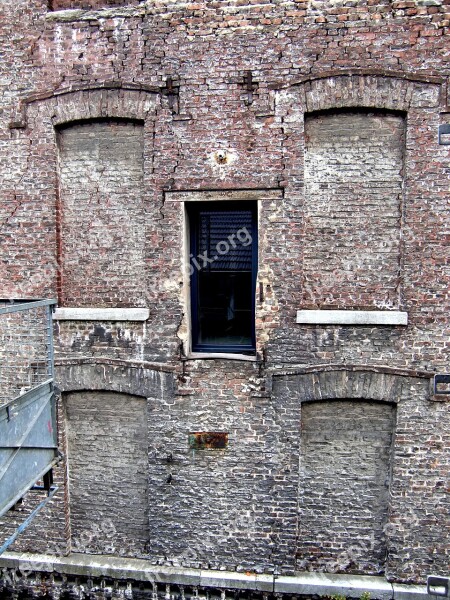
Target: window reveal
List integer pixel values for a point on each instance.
(223, 264)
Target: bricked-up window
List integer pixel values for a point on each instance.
(102, 225)
(346, 450)
(108, 464)
(223, 264)
(352, 211)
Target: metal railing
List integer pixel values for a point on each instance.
(28, 436)
(26, 346)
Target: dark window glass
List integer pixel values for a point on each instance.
(223, 277)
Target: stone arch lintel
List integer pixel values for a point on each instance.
(373, 89)
(138, 379)
(386, 73)
(111, 99)
(347, 382)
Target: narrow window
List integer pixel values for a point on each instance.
(223, 264)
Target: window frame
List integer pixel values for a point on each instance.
(193, 213)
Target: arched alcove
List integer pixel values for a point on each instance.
(340, 446)
(107, 434)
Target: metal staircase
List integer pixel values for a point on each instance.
(28, 429)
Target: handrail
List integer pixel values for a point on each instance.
(17, 305)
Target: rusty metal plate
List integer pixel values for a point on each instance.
(208, 440)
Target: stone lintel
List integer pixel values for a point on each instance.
(267, 194)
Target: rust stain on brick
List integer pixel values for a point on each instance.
(208, 440)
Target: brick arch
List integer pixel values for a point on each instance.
(116, 399)
(95, 104)
(150, 381)
(382, 91)
(318, 409)
(347, 383)
(65, 106)
(37, 118)
(398, 102)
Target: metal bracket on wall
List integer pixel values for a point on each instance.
(444, 135)
(172, 91)
(438, 586)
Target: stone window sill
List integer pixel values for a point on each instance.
(219, 355)
(101, 314)
(352, 317)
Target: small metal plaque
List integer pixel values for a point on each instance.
(442, 384)
(438, 586)
(444, 135)
(208, 440)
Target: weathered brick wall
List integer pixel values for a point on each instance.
(345, 470)
(381, 58)
(238, 514)
(101, 172)
(108, 482)
(353, 201)
(419, 502)
(115, 340)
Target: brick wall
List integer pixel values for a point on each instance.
(345, 469)
(181, 69)
(101, 171)
(107, 445)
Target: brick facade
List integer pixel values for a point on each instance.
(113, 117)
(114, 465)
